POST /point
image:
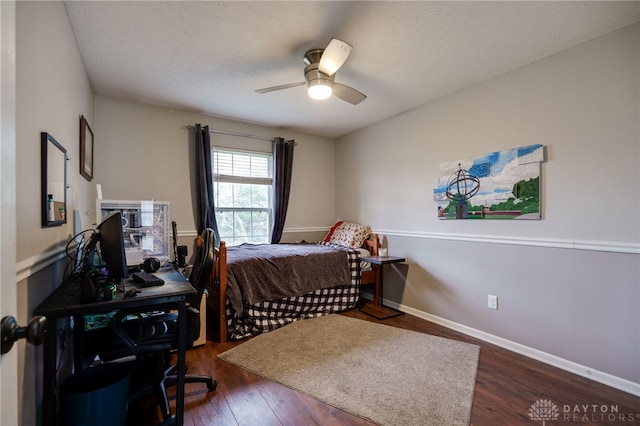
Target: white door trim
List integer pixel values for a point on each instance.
(9, 405)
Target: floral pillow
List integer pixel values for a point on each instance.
(331, 231)
(349, 234)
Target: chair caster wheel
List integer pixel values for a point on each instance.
(170, 421)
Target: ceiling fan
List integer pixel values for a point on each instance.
(320, 72)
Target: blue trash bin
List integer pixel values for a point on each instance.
(96, 396)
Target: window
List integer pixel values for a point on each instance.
(242, 190)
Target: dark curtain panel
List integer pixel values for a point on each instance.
(282, 170)
(205, 182)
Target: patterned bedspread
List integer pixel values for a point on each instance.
(261, 272)
(322, 295)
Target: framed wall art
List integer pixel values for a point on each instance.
(498, 185)
(86, 149)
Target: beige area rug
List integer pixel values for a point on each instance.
(385, 374)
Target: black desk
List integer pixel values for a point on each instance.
(64, 302)
(377, 309)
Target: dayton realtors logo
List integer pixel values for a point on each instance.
(545, 410)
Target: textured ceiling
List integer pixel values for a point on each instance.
(211, 56)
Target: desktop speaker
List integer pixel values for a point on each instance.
(151, 265)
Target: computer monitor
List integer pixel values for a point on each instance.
(112, 249)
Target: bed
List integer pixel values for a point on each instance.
(258, 288)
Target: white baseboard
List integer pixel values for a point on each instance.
(553, 360)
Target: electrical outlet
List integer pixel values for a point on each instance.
(493, 301)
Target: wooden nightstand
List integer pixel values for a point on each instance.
(375, 308)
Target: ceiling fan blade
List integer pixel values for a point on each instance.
(348, 94)
(336, 52)
(281, 87)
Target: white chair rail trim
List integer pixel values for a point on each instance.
(608, 246)
(27, 267)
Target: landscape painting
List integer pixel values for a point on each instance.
(499, 185)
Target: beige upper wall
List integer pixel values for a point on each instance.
(142, 152)
(582, 105)
(52, 91)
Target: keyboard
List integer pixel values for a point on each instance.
(146, 279)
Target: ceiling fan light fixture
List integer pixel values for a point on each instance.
(319, 74)
(319, 89)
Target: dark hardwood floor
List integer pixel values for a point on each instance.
(507, 386)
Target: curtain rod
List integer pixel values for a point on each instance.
(225, 132)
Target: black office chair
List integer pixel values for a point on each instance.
(155, 334)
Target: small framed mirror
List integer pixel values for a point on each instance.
(53, 165)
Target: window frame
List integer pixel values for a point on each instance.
(225, 178)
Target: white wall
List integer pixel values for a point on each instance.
(143, 152)
(568, 285)
(52, 91)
